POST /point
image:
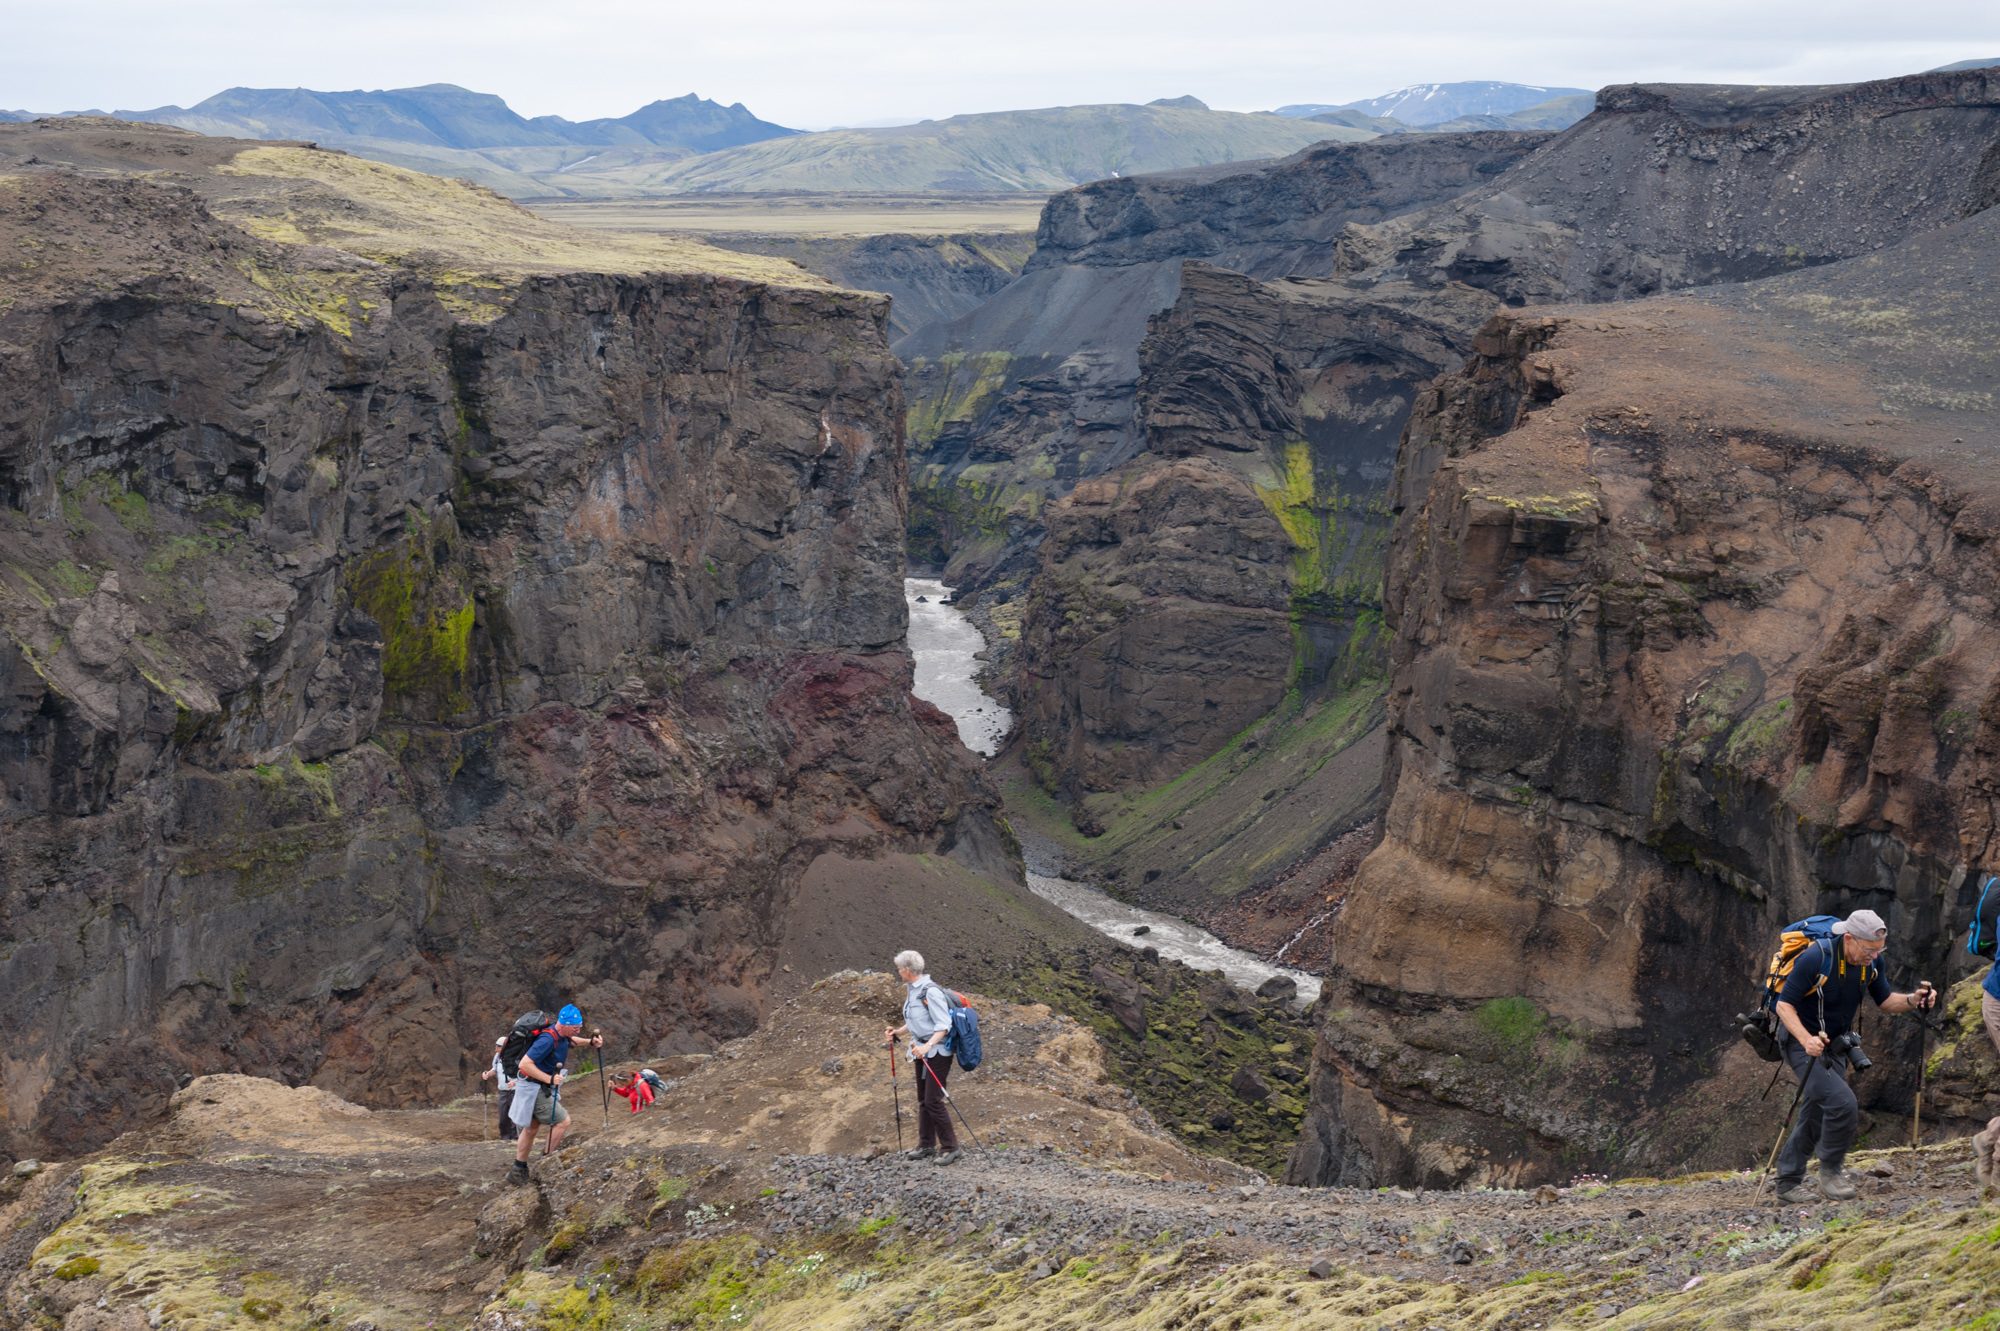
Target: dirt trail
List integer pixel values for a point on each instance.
(259, 1205)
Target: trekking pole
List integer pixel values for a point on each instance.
(604, 1090)
(555, 1103)
(1923, 1060)
(1783, 1132)
(952, 1104)
(895, 1088)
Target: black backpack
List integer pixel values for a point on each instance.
(1984, 938)
(527, 1027)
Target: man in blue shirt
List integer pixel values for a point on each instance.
(1817, 1007)
(542, 1074)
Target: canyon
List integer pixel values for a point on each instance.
(1509, 573)
(1174, 463)
(412, 609)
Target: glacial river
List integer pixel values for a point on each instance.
(945, 646)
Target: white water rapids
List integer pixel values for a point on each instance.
(945, 646)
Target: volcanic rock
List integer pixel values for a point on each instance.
(1693, 633)
(412, 612)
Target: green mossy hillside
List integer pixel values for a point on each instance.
(1221, 1070)
(1933, 1269)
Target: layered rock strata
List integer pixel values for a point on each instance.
(1181, 596)
(928, 279)
(1036, 389)
(411, 612)
(1661, 188)
(1694, 634)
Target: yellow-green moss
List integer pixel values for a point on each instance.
(1294, 501)
(1569, 504)
(1933, 1269)
(967, 383)
(73, 580)
(425, 617)
(76, 1268)
(1958, 1020)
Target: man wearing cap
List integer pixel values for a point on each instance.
(1818, 1005)
(543, 1064)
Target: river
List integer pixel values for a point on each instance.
(945, 646)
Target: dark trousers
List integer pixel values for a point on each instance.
(1828, 1115)
(508, 1132)
(933, 1114)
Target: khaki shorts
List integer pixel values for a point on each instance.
(548, 1109)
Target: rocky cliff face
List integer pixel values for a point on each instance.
(1666, 187)
(1179, 597)
(1693, 635)
(928, 279)
(1036, 389)
(411, 612)
(1662, 188)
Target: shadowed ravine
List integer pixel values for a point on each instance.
(945, 648)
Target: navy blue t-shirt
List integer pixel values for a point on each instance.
(548, 1052)
(1842, 994)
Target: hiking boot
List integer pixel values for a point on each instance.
(921, 1153)
(1833, 1181)
(949, 1157)
(1797, 1192)
(518, 1174)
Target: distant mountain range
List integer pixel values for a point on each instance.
(444, 115)
(692, 145)
(1424, 105)
(1555, 114)
(1042, 150)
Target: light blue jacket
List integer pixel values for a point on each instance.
(926, 1011)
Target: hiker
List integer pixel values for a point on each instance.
(1817, 1008)
(504, 1084)
(542, 1073)
(927, 1021)
(1989, 1005)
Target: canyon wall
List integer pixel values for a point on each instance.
(414, 612)
(1693, 634)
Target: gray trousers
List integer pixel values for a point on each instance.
(1827, 1119)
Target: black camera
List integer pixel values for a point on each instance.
(1848, 1043)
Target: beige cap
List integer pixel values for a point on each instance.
(1865, 925)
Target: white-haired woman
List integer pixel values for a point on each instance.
(927, 1021)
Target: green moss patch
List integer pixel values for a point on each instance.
(414, 591)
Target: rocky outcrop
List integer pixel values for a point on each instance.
(1693, 635)
(1666, 187)
(1660, 189)
(1180, 597)
(1015, 402)
(410, 613)
(928, 279)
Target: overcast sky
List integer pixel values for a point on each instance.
(818, 64)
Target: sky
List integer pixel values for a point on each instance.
(814, 65)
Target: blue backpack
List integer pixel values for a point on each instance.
(964, 1029)
(1984, 938)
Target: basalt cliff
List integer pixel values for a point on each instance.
(1183, 535)
(1160, 461)
(1692, 634)
(411, 611)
